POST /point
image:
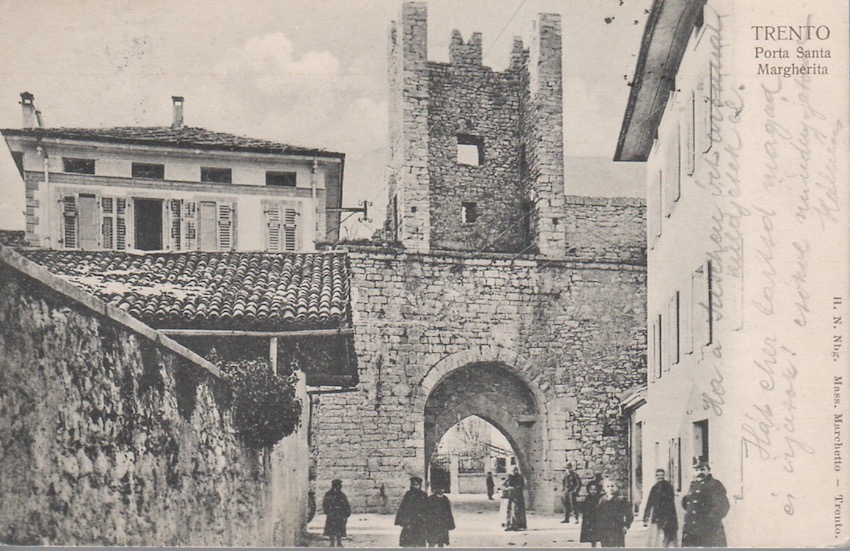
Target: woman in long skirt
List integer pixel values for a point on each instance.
(588, 514)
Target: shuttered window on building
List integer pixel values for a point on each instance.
(175, 208)
(69, 222)
(113, 212)
(282, 226)
(225, 226)
(189, 222)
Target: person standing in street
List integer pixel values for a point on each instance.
(588, 514)
(613, 516)
(515, 488)
(439, 519)
(570, 487)
(491, 486)
(411, 515)
(336, 508)
(660, 511)
(705, 506)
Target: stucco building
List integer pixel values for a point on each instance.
(743, 197)
(172, 188)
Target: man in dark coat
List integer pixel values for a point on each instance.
(439, 519)
(335, 506)
(491, 486)
(570, 486)
(412, 514)
(705, 506)
(660, 510)
(613, 516)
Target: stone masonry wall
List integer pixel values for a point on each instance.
(468, 98)
(574, 332)
(609, 229)
(112, 436)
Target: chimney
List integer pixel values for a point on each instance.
(177, 120)
(31, 118)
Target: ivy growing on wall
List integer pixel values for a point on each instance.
(265, 408)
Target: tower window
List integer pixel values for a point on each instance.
(470, 150)
(468, 212)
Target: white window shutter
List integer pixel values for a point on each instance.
(69, 221)
(291, 235)
(121, 206)
(225, 226)
(273, 226)
(190, 225)
(107, 225)
(176, 210)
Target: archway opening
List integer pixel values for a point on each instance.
(467, 452)
(490, 400)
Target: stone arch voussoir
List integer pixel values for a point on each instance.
(517, 363)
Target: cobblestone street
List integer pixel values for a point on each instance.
(478, 525)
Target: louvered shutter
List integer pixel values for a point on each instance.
(190, 225)
(176, 209)
(686, 130)
(273, 226)
(121, 223)
(69, 222)
(107, 226)
(290, 228)
(225, 226)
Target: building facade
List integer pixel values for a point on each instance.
(501, 297)
(174, 188)
(743, 202)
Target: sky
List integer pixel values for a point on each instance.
(304, 73)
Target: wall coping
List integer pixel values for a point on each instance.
(605, 201)
(487, 259)
(32, 270)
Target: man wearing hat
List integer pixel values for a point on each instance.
(705, 506)
(571, 486)
(335, 506)
(412, 514)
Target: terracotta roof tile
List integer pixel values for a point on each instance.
(206, 290)
(185, 137)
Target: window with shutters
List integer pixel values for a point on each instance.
(282, 228)
(673, 329)
(213, 224)
(175, 207)
(701, 305)
(656, 185)
(69, 222)
(687, 137)
(113, 223)
(672, 181)
(190, 225)
(659, 350)
(225, 227)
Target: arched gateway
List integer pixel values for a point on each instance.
(505, 395)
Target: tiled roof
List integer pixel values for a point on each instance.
(185, 137)
(204, 290)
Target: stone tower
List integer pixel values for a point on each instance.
(477, 157)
